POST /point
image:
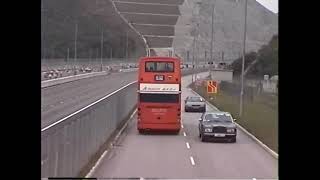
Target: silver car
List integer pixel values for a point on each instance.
(194, 103)
(217, 125)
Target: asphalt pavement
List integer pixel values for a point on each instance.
(184, 155)
(61, 100)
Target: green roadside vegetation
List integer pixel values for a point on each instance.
(260, 116)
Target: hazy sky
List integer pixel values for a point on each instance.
(272, 5)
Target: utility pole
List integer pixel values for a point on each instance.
(205, 55)
(90, 56)
(211, 44)
(127, 46)
(187, 56)
(111, 54)
(222, 56)
(243, 56)
(101, 50)
(75, 47)
(194, 40)
(68, 55)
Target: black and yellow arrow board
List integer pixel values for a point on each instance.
(212, 87)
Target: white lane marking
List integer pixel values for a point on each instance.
(188, 146)
(61, 102)
(135, 13)
(254, 179)
(192, 161)
(98, 162)
(107, 96)
(181, 125)
(184, 134)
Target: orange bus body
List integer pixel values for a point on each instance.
(159, 94)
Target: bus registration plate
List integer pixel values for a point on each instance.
(159, 77)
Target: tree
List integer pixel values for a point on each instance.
(266, 60)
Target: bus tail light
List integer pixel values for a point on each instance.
(179, 109)
(179, 114)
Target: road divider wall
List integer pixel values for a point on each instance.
(53, 82)
(69, 144)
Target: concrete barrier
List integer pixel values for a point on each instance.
(53, 82)
(128, 70)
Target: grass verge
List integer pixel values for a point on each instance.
(260, 116)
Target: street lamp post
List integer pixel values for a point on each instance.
(211, 44)
(101, 50)
(243, 57)
(75, 47)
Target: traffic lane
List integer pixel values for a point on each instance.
(61, 100)
(243, 159)
(147, 156)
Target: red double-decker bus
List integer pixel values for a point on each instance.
(159, 94)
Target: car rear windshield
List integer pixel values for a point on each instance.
(159, 67)
(159, 98)
(218, 117)
(194, 99)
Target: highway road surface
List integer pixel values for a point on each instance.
(184, 155)
(61, 100)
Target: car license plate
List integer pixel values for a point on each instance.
(219, 135)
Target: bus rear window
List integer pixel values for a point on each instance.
(159, 67)
(159, 98)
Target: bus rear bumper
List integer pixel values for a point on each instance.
(153, 126)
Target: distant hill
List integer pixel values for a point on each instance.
(262, 24)
(58, 29)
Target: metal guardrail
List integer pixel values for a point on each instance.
(69, 144)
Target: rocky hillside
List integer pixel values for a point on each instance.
(262, 24)
(58, 30)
